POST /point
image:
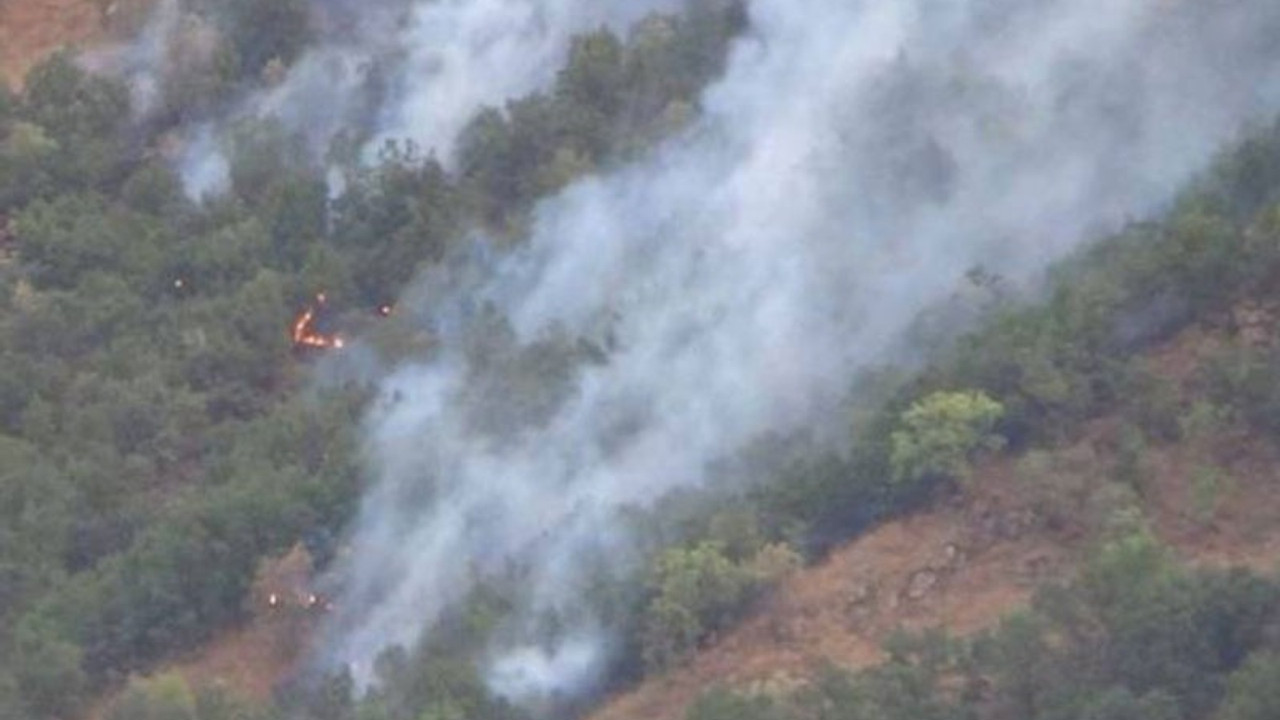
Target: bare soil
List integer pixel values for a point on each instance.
(967, 564)
(961, 567)
(32, 29)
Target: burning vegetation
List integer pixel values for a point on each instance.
(286, 584)
(307, 334)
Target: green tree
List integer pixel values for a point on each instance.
(297, 209)
(84, 114)
(590, 89)
(70, 103)
(26, 154)
(696, 591)
(266, 30)
(49, 677)
(265, 155)
(939, 434)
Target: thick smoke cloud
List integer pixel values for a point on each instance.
(856, 159)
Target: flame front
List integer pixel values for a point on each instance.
(305, 334)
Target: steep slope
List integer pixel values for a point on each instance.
(961, 565)
(967, 563)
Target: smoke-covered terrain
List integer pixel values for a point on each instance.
(482, 358)
(856, 159)
(375, 71)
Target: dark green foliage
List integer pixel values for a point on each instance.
(79, 237)
(1055, 365)
(1246, 381)
(391, 221)
(49, 678)
(700, 588)
(1144, 638)
(266, 30)
(1246, 179)
(154, 442)
(66, 134)
(70, 103)
(613, 99)
(590, 88)
(264, 155)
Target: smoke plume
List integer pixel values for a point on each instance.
(855, 160)
(378, 70)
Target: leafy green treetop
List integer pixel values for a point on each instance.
(939, 434)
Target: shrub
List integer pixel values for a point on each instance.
(939, 435)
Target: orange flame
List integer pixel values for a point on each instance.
(305, 334)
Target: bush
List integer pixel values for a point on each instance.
(699, 590)
(696, 591)
(940, 433)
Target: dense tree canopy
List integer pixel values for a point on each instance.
(155, 439)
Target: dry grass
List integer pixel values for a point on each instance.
(961, 567)
(982, 558)
(32, 29)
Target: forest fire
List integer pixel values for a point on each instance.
(305, 333)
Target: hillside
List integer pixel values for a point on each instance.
(703, 356)
(961, 568)
(968, 562)
(31, 29)
(963, 565)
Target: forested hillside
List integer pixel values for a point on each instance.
(174, 413)
(160, 432)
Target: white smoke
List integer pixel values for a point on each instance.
(140, 63)
(206, 171)
(856, 159)
(414, 70)
(481, 52)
